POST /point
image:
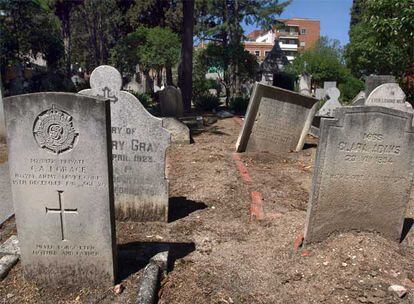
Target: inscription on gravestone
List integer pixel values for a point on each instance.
(59, 157)
(277, 120)
(389, 95)
(363, 173)
(139, 144)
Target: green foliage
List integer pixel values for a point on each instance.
(28, 28)
(324, 62)
(382, 39)
(350, 88)
(144, 98)
(151, 48)
(207, 102)
(96, 29)
(239, 104)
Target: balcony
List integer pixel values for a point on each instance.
(288, 34)
(288, 46)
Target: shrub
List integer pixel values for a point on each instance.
(350, 88)
(144, 98)
(206, 102)
(239, 104)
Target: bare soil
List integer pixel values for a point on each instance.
(220, 255)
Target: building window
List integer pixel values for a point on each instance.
(302, 43)
(257, 53)
(303, 31)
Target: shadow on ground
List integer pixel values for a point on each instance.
(180, 207)
(134, 256)
(407, 226)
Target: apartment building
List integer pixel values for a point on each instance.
(296, 35)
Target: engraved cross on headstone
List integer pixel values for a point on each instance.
(107, 94)
(61, 211)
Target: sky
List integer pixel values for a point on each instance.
(333, 14)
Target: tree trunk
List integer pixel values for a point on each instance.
(168, 72)
(185, 81)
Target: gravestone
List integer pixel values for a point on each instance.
(329, 84)
(180, 133)
(359, 99)
(61, 179)
(389, 95)
(2, 121)
(305, 84)
(320, 94)
(6, 200)
(373, 81)
(139, 144)
(363, 173)
(171, 102)
(332, 104)
(277, 120)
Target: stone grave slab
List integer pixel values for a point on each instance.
(139, 144)
(373, 81)
(10, 246)
(320, 94)
(329, 84)
(363, 173)
(389, 95)
(180, 133)
(59, 157)
(171, 102)
(332, 104)
(6, 200)
(277, 120)
(359, 99)
(305, 84)
(2, 121)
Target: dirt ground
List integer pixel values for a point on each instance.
(220, 255)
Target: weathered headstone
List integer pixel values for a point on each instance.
(2, 121)
(359, 99)
(6, 200)
(171, 102)
(373, 81)
(320, 94)
(180, 133)
(363, 173)
(305, 84)
(389, 95)
(277, 120)
(329, 84)
(332, 104)
(59, 157)
(139, 144)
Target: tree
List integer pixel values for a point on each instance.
(219, 58)
(152, 48)
(382, 39)
(220, 21)
(186, 65)
(325, 62)
(96, 28)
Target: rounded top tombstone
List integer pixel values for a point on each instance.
(333, 93)
(106, 76)
(386, 91)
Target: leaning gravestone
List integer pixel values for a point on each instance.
(359, 99)
(277, 120)
(363, 173)
(180, 133)
(305, 84)
(139, 144)
(59, 157)
(2, 121)
(171, 102)
(332, 104)
(373, 81)
(389, 95)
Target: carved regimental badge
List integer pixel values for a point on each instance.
(53, 130)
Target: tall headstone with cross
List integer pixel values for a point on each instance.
(332, 104)
(139, 144)
(61, 177)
